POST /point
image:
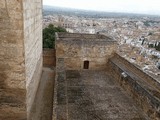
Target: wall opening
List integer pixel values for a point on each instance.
(86, 64)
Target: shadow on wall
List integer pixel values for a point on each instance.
(49, 57)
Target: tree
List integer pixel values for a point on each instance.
(49, 35)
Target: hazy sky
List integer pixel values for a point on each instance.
(134, 6)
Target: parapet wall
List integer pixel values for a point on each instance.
(82, 36)
(138, 71)
(142, 87)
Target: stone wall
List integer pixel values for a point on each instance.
(20, 55)
(71, 52)
(11, 44)
(12, 65)
(49, 57)
(137, 70)
(33, 46)
(142, 87)
(77, 48)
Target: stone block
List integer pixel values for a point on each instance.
(2, 4)
(14, 4)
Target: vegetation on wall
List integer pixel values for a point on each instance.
(49, 35)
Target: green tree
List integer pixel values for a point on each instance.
(49, 35)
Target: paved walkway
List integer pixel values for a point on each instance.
(43, 104)
(93, 95)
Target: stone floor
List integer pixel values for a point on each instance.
(43, 104)
(93, 95)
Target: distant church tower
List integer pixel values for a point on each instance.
(60, 21)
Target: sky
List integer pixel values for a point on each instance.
(129, 6)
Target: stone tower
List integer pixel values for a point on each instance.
(20, 56)
(60, 21)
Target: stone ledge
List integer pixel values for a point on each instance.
(146, 95)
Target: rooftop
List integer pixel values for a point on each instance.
(76, 36)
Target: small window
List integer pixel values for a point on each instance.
(86, 64)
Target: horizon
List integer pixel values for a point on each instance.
(104, 11)
(120, 6)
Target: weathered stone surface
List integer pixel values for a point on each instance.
(49, 57)
(43, 104)
(12, 104)
(93, 95)
(11, 47)
(76, 48)
(33, 86)
(2, 4)
(32, 27)
(20, 54)
(143, 88)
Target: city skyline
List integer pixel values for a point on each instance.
(128, 6)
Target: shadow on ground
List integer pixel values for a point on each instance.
(43, 105)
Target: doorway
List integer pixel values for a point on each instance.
(86, 64)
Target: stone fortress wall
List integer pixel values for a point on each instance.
(32, 16)
(12, 44)
(144, 89)
(20, 55)
(77, 48)
(21, 61)
(72, 50)
(12, 61)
